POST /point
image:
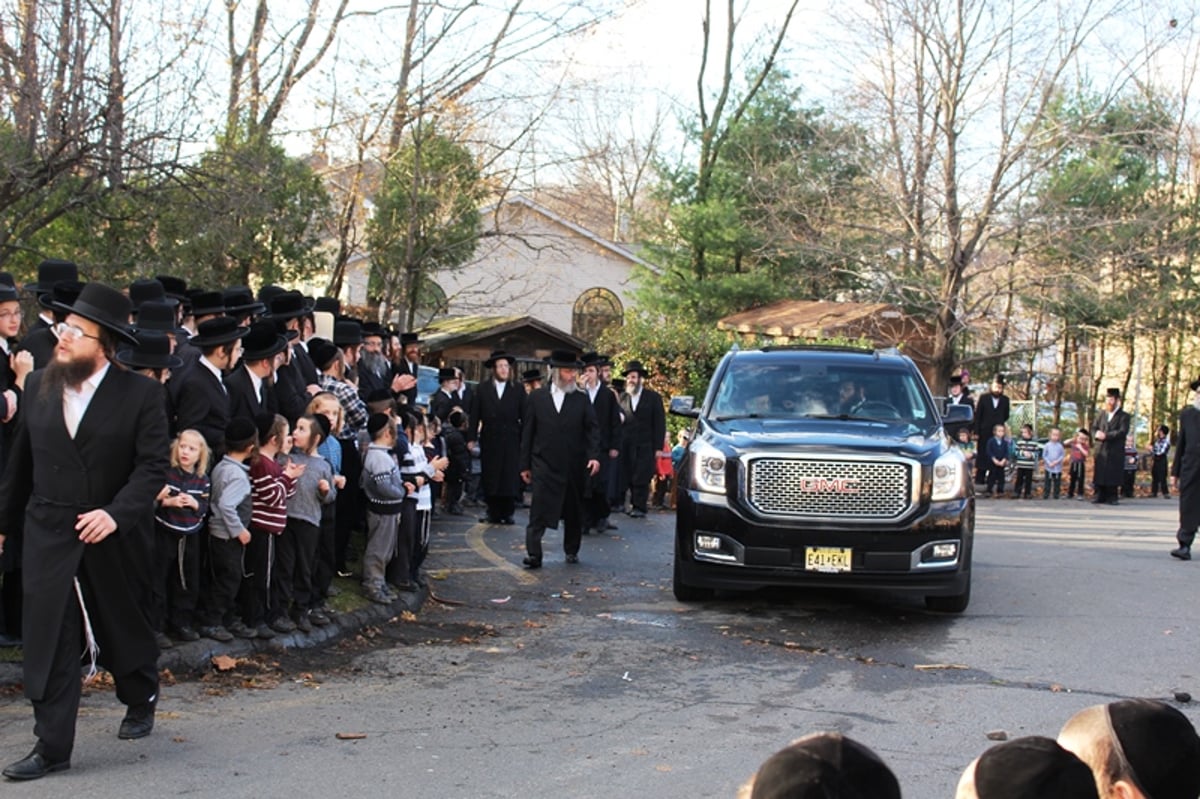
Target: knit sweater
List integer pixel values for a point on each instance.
(305, 504)
(231, 501)
(185, 521)
(270, 489)
(381, 481)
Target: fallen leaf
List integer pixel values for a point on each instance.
(663, 767)
(223, 662)
(937, 666)
(997, 735)
(408, 615)
(501, 600)
(179, 739)
(533, 625)
(350, 736)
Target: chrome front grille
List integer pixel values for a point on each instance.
(841, 489)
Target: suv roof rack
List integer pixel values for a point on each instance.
(818, 347)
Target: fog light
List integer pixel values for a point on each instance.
(711, 542)
(945, 551)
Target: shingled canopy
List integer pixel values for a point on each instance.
(466, 341)
(808, 321)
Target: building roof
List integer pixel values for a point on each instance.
(454, 331)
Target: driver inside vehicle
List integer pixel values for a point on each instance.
(850, 396)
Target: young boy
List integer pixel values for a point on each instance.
(386, 493)
(460, 462)
(271, 486)
(997, 460)
(1131, 467)
(228, 529)
(1080, 449)
(1053, 455)
(964, 442)
(1158, 471)
(1026, 452)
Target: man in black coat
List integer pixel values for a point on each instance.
(90, 455)
(201, 400)
(408, 368)
(497, 410)
(446, 398)
(1109, 432)
(251, 384)
(560, 454)
(646, 422)
(608, 420)
(991, 409)
(1185, 474)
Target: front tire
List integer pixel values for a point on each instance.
(955, 603)
(685, 592)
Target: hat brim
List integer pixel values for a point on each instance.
(279, 346)
(564, 364)
(95, 316)
(642, 372)
(253, 308)
(490, 362)
(132, 359)
(294, 313)
(201, 342)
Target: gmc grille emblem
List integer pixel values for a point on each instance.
(830, 485)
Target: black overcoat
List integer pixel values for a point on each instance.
(988, 414)
(496, 425)
(1187, 469)
(608, 421)
(1110, 453)
(647, 427)
(202, 404)
(243, 401)
(117, 461)
(556, 446)
(441, 404)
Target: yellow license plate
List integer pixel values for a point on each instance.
(827, 559)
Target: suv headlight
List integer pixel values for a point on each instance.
(708, 468)
(949, 476)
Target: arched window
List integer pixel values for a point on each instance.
(596, 310)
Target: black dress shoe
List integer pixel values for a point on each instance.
(33, 766)
(138, 721)
(572, 558)
(184, 633)
(532, 563)
(507, 520)
(1183, 553)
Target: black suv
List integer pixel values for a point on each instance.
(824, 467)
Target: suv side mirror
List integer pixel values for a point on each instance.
(957, 414)
(684, 406)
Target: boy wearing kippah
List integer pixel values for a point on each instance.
(385, 492)
(228, 529)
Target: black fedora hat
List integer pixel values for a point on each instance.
(497, 355)
(239, 301)
(289, 305)
(262, 341)
(64, 292)
(347, 333)
(208, 303)
(530, 375)
(8, 288)
(447, 373)
(174, 286)
(327, 304)
(152, 351)
(373, 329)
(215, 332)
(563, 359)
(148, 290)
(269, 292)
(103, 305)
(636, 366)
(50, 271)
(155, 315)
(409, 338)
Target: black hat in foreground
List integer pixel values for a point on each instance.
(322, 353)
(262, 341)
(563, 359)
(103, 305)
(152, 351)
(823, 765)
(215, 332)
(50, 271)
(1160, 745)
(447, 373)
(530, 375)
(1032, 768)
(1113, 392)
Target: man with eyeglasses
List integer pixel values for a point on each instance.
(88, 458)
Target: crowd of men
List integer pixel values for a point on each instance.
(182, 463)
(1128, 749)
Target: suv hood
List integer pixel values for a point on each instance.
(798, 436)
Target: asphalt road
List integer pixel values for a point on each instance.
(591, 680)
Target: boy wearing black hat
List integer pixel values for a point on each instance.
(445, 399)
(251, 383)
(1109, 432)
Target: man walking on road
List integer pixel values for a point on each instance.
(89, 457)
(497, 410)
(1185, 474)
(647, 435)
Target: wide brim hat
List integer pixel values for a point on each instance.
(447, 373)
(530, 375)
(103, 305)
(288, 305)
(409, 338)
(174, 286)
(8, 288)
(635, 366)
(50, 271)
(374, 329)
(563, 359)
(152, 351)
(262, 341)
(149, 290)
(208, 303)
(327, 305)
(1113, 392)
(347, 333)
(215, 332)
(497, 355)
(155, 315)
(240, 301)
(64, 292)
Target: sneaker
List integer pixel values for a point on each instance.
(378, 593)
(304, 622)
(217, 633)
(264, 631)
(318, 617)
(283, 624)
(240, 629)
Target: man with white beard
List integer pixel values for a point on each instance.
(560, 453)
(375, 370)
(647, 425)
(1185, 474)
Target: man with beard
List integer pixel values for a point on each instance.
(647, 424)
(251, 384)
(991, 409)
(408, 368)
(1109, 432)
(497, 410)
(560, 454)
(89, 457)
(1185, 474)
(375, 370)
(608, 420)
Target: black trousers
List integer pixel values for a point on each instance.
(291, 576)
(1077, 484)
(1023, 487)
(500, 508)
(226, 565)
(254, 595)
(1158, 477)
(399, 569)
(175, 589)
(10, 602)
(323, 566)
(55, 713)
(453, 492)
(572, 524)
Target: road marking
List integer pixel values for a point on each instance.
(475, 541)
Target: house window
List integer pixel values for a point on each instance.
(596, 310)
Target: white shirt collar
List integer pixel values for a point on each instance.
(212, 367)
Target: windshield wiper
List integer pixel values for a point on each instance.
(847, 417)
(729, 417)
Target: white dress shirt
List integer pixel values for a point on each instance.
(76, 401)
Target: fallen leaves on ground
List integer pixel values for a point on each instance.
(350, 736)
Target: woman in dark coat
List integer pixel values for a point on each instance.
(497, 409)
(1109, 432)
(560, 452)
(1185, 474)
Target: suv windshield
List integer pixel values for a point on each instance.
(784, 389)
